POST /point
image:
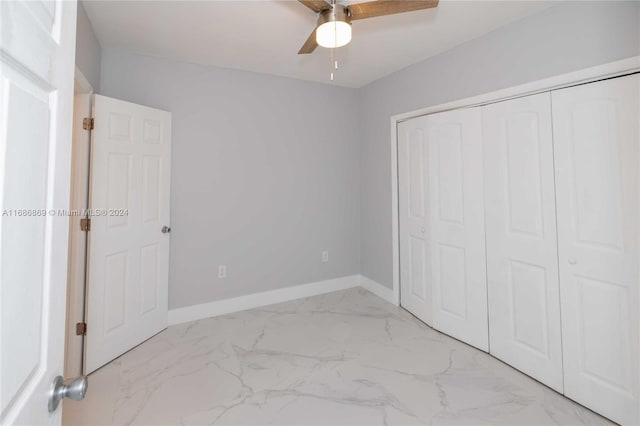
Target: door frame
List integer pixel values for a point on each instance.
(587, 75)
(76, 277)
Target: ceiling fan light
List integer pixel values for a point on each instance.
(333, 34)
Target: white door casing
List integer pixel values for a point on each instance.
(522, 255)
(127, 292)
(457, 225)
(413, 198)
(77, 238)
(36, 90)
(596, 144)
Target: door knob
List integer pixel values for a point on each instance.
(572, 261)
(166, 230)
(422, 230)
(75, 390)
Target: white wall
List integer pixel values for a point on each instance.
(88, 51)
(265, 175)
(566, 37)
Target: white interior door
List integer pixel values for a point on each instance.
(522, 255)
(36, 89)
(596, 139)
(413, 198)
(128, 252)
(457, 225)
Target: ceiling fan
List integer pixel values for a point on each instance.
(334, 20)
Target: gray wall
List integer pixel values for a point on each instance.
(269, 171)
(265, 175)
(564, 38)
(88, 51)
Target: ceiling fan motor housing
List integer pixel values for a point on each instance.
(334, 20)
(337, 13)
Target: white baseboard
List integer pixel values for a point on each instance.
(376, 288)
(241, 303)
(250, 301)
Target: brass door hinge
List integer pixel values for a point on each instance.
(87, 123)
(81, 329)
(85, 224)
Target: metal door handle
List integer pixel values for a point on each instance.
(572, 261)
(422, 230)
(75, 390)
(166, 230)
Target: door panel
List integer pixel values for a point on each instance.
(457, 239)
(528, 287)
(150, 266)
(522, 264)
(114, 291)
(603, 329)
(415, 290)
(128, 253)
(596, 138)
(453, 281)
(118, 170)
(151, 184)
(450, 185)
(36, 88)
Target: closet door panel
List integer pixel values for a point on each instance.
(413, 198)
(522, 262)
(596, 139)
(457, 225)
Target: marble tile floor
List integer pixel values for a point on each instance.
(343, 358)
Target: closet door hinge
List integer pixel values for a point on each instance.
(87, 123)
(85, 224)
(81, 329)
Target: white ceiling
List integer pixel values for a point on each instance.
(264, 36)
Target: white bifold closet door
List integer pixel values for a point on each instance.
(596, 138)
(522, 256)
(413, 198)
(457, 236)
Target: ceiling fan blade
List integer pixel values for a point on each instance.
(316, 5)
(388, 7)
(309, 45)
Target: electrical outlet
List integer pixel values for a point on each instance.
(325, 256)
(222, 271)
